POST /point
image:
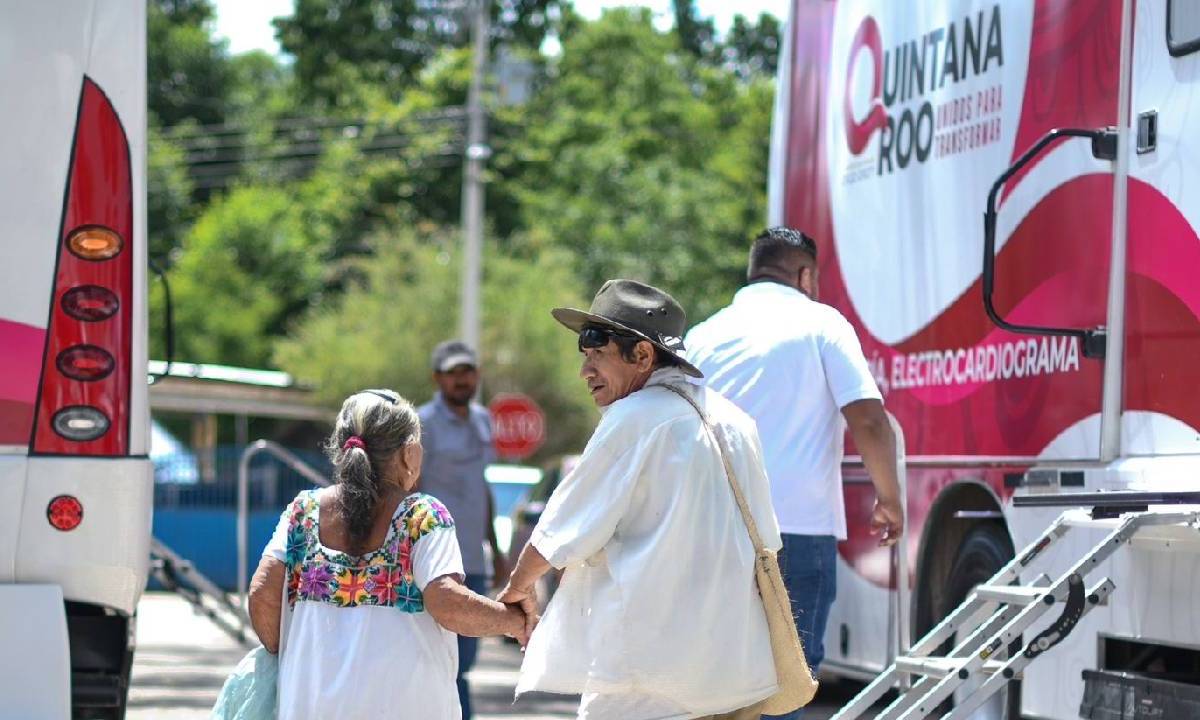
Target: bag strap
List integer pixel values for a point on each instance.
(755, 539)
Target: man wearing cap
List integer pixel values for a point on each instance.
(657, 615)
(796, 367)
(456, 433)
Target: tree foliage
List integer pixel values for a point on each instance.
(697, 35)
(645, 162)
(169, 206)
(328, 248)
(749, 48)
(193, 89)
(245, 270)
(259, 257)
(187, 70)
(380, 332)
(752, 48)
(351, 54)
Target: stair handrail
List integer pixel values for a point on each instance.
(288, 458)
(171, 568)
(900, 621)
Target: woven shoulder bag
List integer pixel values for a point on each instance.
(796, 684)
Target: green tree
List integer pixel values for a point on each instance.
(752, 48)
(352, 54)
(244, 271)
(645, 162)
(188, 83)
(332, 253)
(259, 256)
(260, 90)
(697, 35)
(187, 71)
(749, 47)
(169, 206)
(381, 330)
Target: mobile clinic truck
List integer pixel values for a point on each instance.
(76, 486)
(1057, 352)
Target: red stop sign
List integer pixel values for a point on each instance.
(518, 426)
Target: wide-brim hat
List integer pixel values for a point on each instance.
(638, 309)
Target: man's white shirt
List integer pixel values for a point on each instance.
(791, 364)
(659, 596)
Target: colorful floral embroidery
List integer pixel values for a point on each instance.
(315, 581)
(381, 578)
(383, 583)
(351, 588)
(293, 582)
(427, 517)
(410, 599)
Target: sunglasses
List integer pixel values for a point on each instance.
(594, 336)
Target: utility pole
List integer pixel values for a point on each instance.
(472, 192)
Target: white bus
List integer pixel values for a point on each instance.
(76, 484)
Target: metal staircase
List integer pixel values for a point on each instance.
(178, 575)
(996, 614)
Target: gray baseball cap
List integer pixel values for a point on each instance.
(452, 353)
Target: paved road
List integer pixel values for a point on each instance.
(182, 659)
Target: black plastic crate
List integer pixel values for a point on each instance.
(1112, 695)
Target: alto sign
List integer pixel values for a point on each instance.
(518, 426)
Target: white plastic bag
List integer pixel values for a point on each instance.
(250, 691)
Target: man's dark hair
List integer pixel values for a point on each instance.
(626, 344)
(780, 249)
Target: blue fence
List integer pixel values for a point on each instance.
(208, 538)
(198, 519)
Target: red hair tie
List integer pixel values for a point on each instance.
(354, 441)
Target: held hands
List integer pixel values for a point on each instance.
(522, 603)
(887, 521)
(515, 622)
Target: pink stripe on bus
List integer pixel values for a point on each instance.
(20, 361)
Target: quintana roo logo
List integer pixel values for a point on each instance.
(858, 132)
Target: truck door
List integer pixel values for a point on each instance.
(1160, 413)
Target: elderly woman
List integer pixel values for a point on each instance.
(374, 581)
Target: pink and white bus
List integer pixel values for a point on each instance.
(893, 122)
(75, 480)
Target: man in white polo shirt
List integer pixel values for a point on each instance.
(797, 368)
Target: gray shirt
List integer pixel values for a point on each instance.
(456, 452)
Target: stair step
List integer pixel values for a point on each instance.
(1010, 594)
(940, 667)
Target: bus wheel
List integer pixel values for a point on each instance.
(984, 550)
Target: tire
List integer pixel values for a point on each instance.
(101, 650)
(985, 549)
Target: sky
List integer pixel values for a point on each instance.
(246, 24)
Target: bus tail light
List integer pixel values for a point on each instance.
(80, 423)
(84, 395)
(94, 243)
(90, 303)
(86, 363)
(65, 512)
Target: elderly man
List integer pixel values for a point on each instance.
(657, 615)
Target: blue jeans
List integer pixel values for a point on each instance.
(468, 649)
(809, 566)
